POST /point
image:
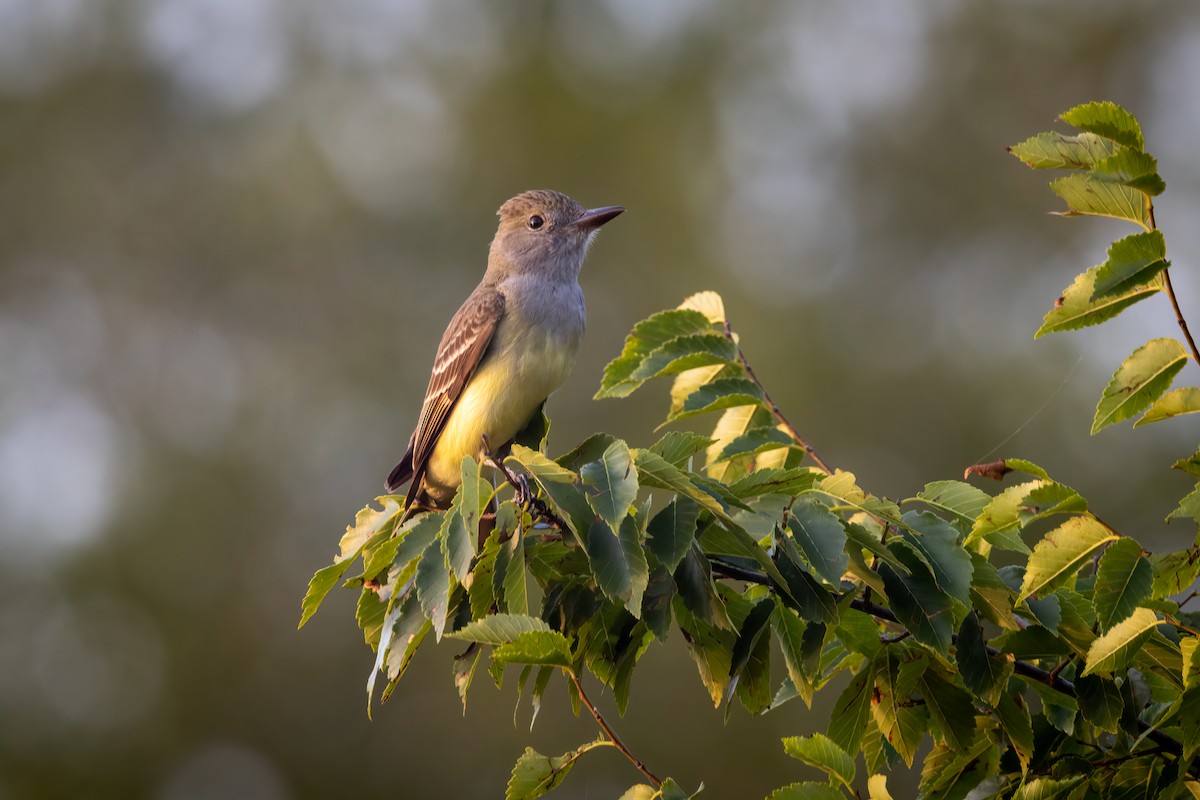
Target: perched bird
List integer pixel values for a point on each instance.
(510, 345)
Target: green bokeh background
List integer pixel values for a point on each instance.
(232, 230)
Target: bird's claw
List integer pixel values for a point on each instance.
(522, 494)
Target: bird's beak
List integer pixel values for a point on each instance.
(595, 217)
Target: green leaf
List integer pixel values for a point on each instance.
(754, 441)
(991, 595)
(950, 708)
(716, 395)
(1053, 150)
(1190, 465)
(1174, 572)
(773, 480)
(647, 336)
(920, 605)
(732, 540)
(1014, 719)
(981, 672)
(612, 484)
(618, 563)
(1061, 553)
(1049, 788)
(1106, 119)
(1078, 307)
(684, 353)
(1132, 261)
(1144, 376)
(818, 750)
(932, 538)
(734, 422)
(368, 524)
(852, 709)
(459, 547)
(1123, 581)
(821, 538)
(697, 592)
(1116, 647)
(515, 583)
(536, 432)
(806, 790)
(535, 774)
(679, 446)
(749, 664)
(1093, 196)
(590, 449)
(433, 586)
(1185, 400)
(1189, 506)
(1132, 168)
(498, 629)
(641, 791)
(789, 630)
(901, 722)
(859, 632)
(1099, 701)
(656, 472)
(547, 648)
(802, 591)
(709, 647)
(561, 485)
(843, 487)
(962, 500)
(472, 499)
(672, 531)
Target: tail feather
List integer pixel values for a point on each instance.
(402, 473)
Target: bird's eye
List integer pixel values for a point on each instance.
(536, 222)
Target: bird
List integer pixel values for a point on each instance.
(508, 347)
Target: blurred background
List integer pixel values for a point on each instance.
(231, 232)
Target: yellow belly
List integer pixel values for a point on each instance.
(501, 397)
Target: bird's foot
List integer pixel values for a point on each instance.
(523, 495)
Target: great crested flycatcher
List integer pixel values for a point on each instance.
(510, 345)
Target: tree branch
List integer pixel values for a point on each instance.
(1183, 326)
(610, 733)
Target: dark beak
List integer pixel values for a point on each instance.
(595, 217)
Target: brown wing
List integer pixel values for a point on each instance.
(463, 344)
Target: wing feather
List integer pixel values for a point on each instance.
(462, 347)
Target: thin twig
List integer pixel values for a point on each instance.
(775, 411)
(1175, 301)
(610, 733)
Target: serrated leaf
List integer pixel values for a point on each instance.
(754, 441)
(821, 538)
(1061, 553)
(514, 585)
(1123, 580)
(991, 595)
(859, 632)
(1014, 719)
(709, 647)
(464, 673)
(684, 353)
(612, 484)
(1190, 465)
(1132, 261)
(708, 303)
(609, 563)
(498, 629)
(789, 630)
(818, 750)
(900, 721)
(656, 472)
(774, 480)
(1078, 307)
(937, 543)
(679, 446)
(852, 710)
(732, 540)
(813, 602)
(590, 449)
(672, 531)
(1185, 400)
(1189, 506)
(1099, 702)
(716, 395)
(545, 648)
(950, 708)
(1093, 196)
(749, 665)
(962, 500)
(1132, 168)
(1106, 119)
(1049, 788)
(535, 774)
(697, 592)
(1054, 150)
(982, 672)
(806, 790)
(433, 586)
(920, 605)
(647, 336)
(1140, 380)
(1117, 646)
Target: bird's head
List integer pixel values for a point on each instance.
(544, 230)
